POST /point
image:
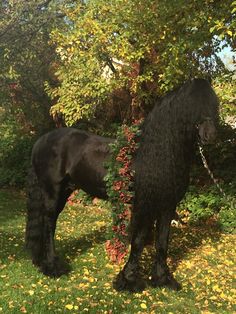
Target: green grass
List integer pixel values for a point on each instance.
(202, 259)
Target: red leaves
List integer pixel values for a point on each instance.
(73, 199)
(118, 185)
(122, 176)
(116, 250)
(121, 229)
(126, 215)
(122, 156)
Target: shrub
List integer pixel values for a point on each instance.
(15, 149)
(14, 162)
(207, 202)
(227, 219)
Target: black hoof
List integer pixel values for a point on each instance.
(121, 283)
(55, 269)
(166, 281)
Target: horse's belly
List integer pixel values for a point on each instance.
(89, 179)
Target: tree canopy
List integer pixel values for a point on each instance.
(27, 59)
(105, 59)
(116, 56)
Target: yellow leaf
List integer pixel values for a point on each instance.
(69, 306)
(216, 288)
(107, 284)
(223, 296)
(31, 292)
(143, 306)
(91, 279)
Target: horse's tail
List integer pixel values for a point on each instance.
(35, 221)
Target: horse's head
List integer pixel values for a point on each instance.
(206, 130)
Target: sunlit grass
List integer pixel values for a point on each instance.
(202, 259)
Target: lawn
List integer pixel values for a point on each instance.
(202, 259)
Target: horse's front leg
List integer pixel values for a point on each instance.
(129, 278)
(160, 274)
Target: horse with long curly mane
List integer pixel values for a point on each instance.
(67, 159)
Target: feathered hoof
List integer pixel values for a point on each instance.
(55, 269)
(166, 281)
(121, 283)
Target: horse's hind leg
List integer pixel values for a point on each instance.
(161, 275)
(51, 265)
(62, 199)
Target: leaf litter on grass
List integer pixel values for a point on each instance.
(202, 259)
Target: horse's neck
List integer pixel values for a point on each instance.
(171, 120)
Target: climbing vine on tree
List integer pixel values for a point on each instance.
(119, 182)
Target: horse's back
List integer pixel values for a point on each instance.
(53, 146)
(72, 155)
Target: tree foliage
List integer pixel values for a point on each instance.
(27, 59)
(119, 55)
(105, 58)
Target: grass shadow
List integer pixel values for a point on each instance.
(188, 239)
(12, 206)
(183, 241)
(71, 248)
(12, 246)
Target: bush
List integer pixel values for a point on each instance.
(203, 203)
(204, 199)
(15, 150)
(200, 205)
(227, 219)
(14, 162)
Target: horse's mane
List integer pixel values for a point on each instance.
(181, 108)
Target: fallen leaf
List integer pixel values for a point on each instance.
(69, 306)
(143, 306)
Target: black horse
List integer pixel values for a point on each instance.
(66, 159)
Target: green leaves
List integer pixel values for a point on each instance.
(136, 46)
(225, 27)
(26, 58)
(113, 58)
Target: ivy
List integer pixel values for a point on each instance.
(119, 183)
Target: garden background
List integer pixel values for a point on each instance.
(95, 65)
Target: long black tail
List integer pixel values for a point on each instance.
(35, 221)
